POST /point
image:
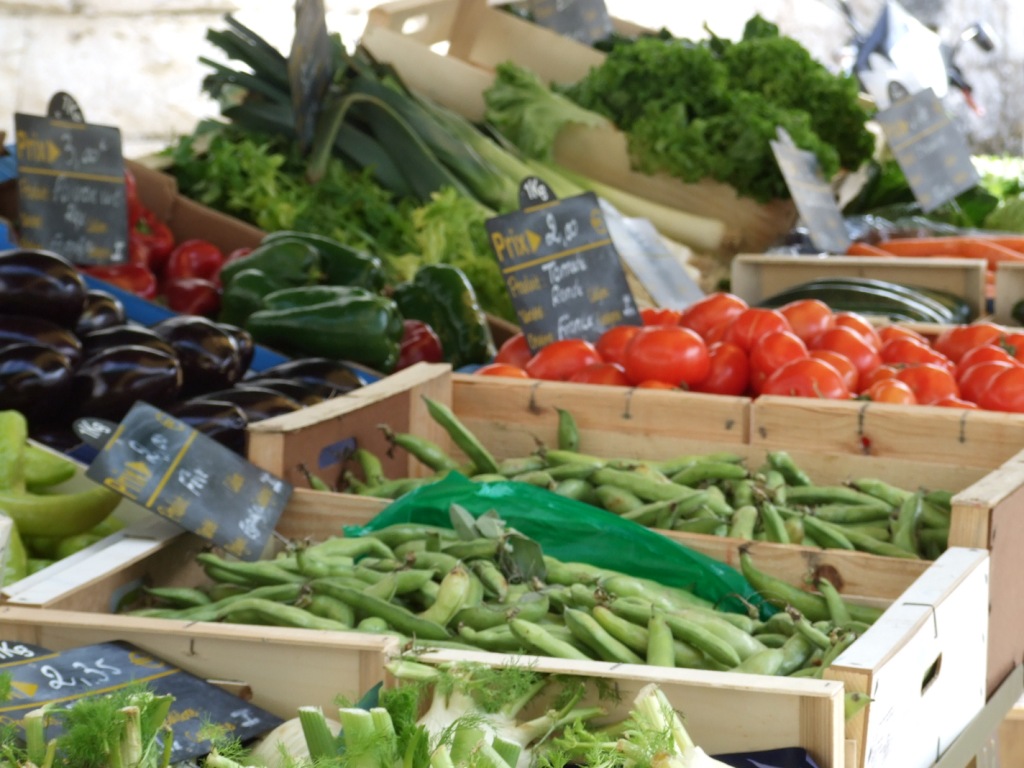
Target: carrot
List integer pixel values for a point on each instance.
(1013, 242)
(858, 248)
(956, 245)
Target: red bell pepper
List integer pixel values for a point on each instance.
(420, 343)
(134, 278)
(193, 296)
(148, 230)
(194, 258)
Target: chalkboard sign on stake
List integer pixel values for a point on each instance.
(63, 106)
(39, 677)
(930, 149)
(812, 194)
(71, 194)
(560, 266)
(183, 475)
(310, 67)
(585, 21)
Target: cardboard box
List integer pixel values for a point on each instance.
(476, 38)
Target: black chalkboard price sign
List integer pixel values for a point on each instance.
(583, 20)
(71, 196)
(171, 469)
(930, 149)
(814, 198)
(61, 678)
(560, 266)
(310, 67)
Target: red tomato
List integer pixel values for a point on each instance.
(514, 351)
(807, 377)
(714, 311)
(860, 324)
(660, 316)
(974, 382)
(890, 391)
(612, 344)
(655, 384)
(841, 363)
(931, 382)
(753, 323)
(420, 344)
(849, 342)
(907, 351)
(889, 332)
(955, 340)
(194, 258)
(957, 402)
(561, 359)
(193, 296)
(669, 353)
(729, 371)
(809, 318)
(601, 373)
(877, 374)
(1014, 344)
(1005, 391)
(985, 352)
(502, 369)
(771, 352)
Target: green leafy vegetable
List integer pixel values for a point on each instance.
(698, 110)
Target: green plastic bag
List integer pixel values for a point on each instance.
(572, 531)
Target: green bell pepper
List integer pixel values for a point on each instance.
(363, 329)
(244, 294)
(287, 263)
(341, 264)
(442, 296)
(305, 296)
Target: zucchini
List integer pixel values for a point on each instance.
(870, 297)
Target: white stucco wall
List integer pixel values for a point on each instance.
(134, 63)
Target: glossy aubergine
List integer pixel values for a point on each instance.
(302, 392)
(41, 283)
(102, 310)
(29, 329)
(244, 340)
(314, 370)
(34, 379)
(108, 383)
(223, 421)
(122, 336)
(258, 403)
(210, 357)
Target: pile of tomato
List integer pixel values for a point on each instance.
(723, 346)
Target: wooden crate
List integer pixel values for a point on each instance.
(512, 413)
(757, 276)
(141, 533)
(785, 712)
(447, 50)
(279, 668)
(1009, 290)
(971, 453)
(983, 443)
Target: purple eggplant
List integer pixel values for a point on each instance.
(319, 370)
(102, 310)
(123, 335)
(223, 421)
(29, 329)
(34, 379)
(108, 383)
(210, 356)
(259, 403)
(41, 283)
